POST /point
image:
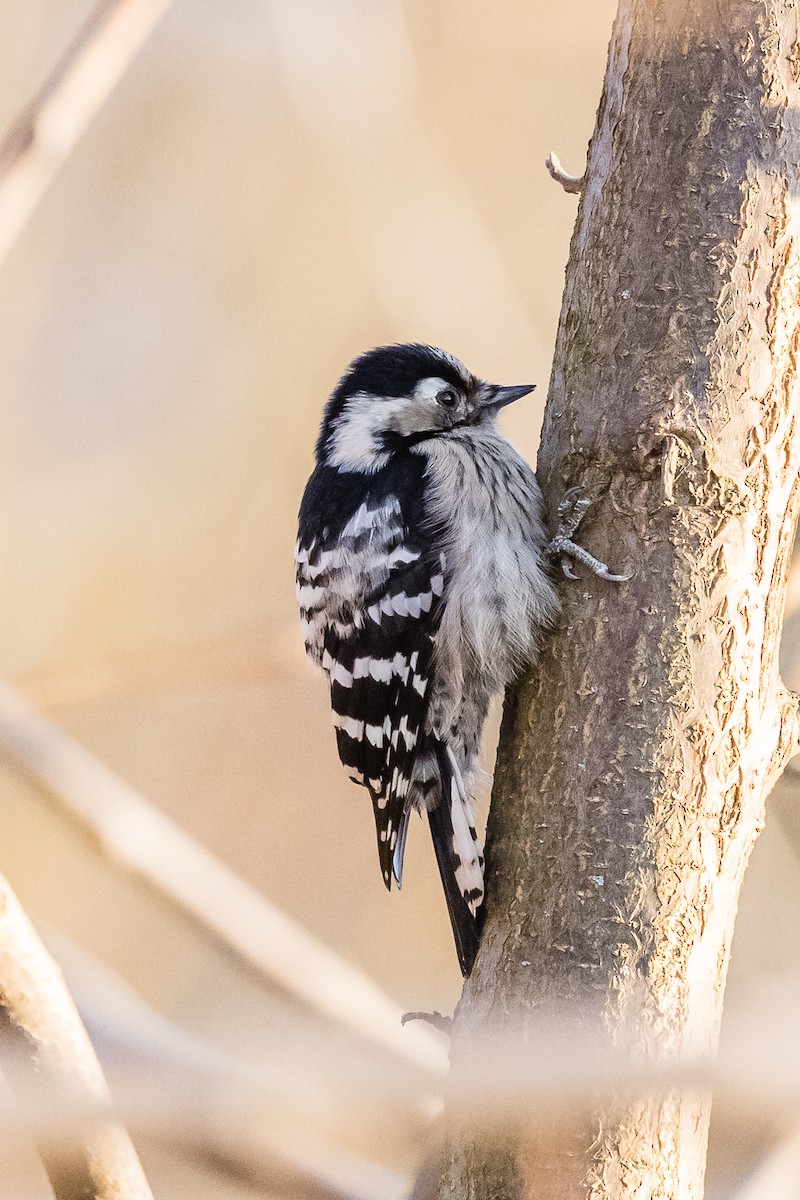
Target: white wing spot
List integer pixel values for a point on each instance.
(308, 595)
(402, 555)
(348, 725)
(341, 675)
(402, 667)
(414, 606)
(326, 559)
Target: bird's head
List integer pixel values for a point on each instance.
(395, 396)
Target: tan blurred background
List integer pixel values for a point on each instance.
(274, 186)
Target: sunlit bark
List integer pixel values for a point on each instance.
(635, 761)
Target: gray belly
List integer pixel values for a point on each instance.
(499, 596)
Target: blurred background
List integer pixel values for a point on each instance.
(272, 187)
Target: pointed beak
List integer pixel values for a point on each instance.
(499, 397)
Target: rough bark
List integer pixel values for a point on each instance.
(636, 759)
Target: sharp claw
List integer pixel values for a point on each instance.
(606, 574)
(563, 548)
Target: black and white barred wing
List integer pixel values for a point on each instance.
(370, 603)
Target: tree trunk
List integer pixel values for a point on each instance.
(635, 760)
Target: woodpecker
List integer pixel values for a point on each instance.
(424, 588)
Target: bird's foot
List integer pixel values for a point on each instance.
(571, 511)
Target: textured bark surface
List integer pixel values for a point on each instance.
(635, 761)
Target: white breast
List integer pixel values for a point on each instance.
(499, 595)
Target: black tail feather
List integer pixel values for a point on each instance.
(465, 925)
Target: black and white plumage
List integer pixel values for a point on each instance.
(423, 588)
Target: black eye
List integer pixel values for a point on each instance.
(448, 398)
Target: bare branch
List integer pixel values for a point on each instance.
(141, 840)
(255, 1123)
(244, 1161)
(179, 1088)
(260, 1122)
(54, 1059)
(44, 134)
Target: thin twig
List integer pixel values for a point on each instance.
(48, 1055)
(141, 840)
(240, 1161)
(570, 183)
(138, 1046)
(43, 135)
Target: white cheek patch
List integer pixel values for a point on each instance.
(355, 444)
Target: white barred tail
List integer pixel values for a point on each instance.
(459, 856)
